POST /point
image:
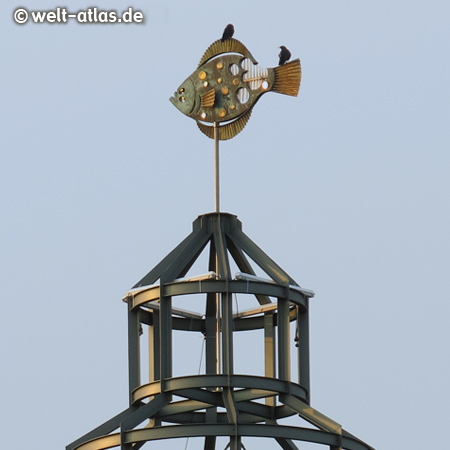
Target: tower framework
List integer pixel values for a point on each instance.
(219, 402)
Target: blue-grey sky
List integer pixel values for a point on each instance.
(347, 187)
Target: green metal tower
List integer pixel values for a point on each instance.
(218, 402)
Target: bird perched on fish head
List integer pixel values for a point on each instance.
(284, 55)
(228, 32)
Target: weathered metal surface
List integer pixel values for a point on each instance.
(226, 86)
(275, 432)
(218, 402)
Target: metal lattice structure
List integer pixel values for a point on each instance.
(219, 402)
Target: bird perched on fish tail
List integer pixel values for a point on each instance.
(284, 55)
(228, 32)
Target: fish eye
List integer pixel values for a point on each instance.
(182, 99)
(181, 90)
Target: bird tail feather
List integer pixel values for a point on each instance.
(287, 78)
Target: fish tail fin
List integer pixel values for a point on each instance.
(287, 78)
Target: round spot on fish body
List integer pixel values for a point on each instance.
(220, 65)
(205, 83)
(202, 75)
(236, 81)
(233, 107)
(265, 85)
(225, 90)
(219, 80)
(222, 112)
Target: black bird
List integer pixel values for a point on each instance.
(228, 32)
(284, 55)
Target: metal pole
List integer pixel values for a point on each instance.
(216, 167)
(217, 204)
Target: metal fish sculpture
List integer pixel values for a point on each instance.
(226, 86)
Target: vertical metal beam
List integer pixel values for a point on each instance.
(210, 443)
(210, 335)
(134, 353)
(154, 359)
(235, 442)
(212, 357)
(212, 353)
(154, 355)
(218, 328)
(284, 369)
(212, 316)
(303, 349)
(223, 265)
(227, 333)
(269, 346)
(226, 321)
(269, 359)
(165, 333)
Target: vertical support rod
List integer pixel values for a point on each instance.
(165, 330)
(303, 348)
(284, 370)
(269, 347)
(134, 357)
(218, 337)
(154, 357)
(211, 334)
(216, 167)
(270, 358)
(154, 347)
(227, 333)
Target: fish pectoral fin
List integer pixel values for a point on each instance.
(208, 99)
(227, 131)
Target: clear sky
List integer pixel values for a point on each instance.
(347, 187)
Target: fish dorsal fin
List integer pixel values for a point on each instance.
(208, 99)
(227, 131)
(229, 46)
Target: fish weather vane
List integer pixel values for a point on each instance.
(222, 92)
